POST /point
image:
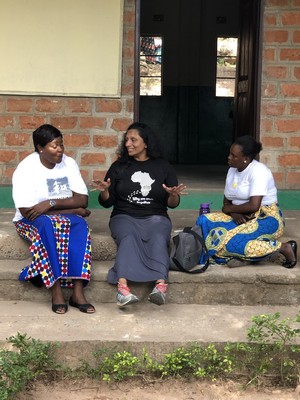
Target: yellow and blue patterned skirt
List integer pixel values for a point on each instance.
(251, 241)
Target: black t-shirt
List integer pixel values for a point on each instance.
(136, 188)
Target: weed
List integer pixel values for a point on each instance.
(30, 359)
(271, 351)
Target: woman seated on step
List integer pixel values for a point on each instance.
(140, 186)
(51, 201)
(248, 228)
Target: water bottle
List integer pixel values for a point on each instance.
(204, 208)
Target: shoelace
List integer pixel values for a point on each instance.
(162, 287)
(123, 289)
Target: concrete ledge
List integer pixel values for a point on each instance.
(250, 285)
(145, 325)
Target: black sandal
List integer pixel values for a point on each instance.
(85, 308)
(56, 307)
(291, 264)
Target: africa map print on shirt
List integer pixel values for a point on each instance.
(145, 181)
(59, 188)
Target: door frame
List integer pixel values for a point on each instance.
(136, 91)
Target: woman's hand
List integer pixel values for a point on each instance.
(83, 212)
(102, 186)
(174, 193)
(32, 213)
(175, 190)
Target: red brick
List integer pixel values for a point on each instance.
(276, 72)
(273, 109)
(276, 36)
(49, 105)
(24, 154)
(17, 139)
(19, 105)
(85, 176)
(295, 108)
(31, 122)
(293, 178)
(2, 103)
(294, 142)
(76, 140)
(8, 173)
(127, 88)
(7, 156)
(276, 3)
(296, 36)
(269, 90)
(269, 55)
(296, 3)
(128, 17)
(92, 122)
(129, 105)
(289, 160)
(79, 106)
(290, 90)
(64, 122)
(272, 142)
(288, 125)
(266, 125)
(6, 121)
(92, 159)
(290, 54)
(105, 141)
(108, 106)
(291, 18)
(297, 72)
(270, 20)
(99, 175)
(278, 177)
(129, 35)
(121, 124)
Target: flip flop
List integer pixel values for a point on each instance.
(82, 307)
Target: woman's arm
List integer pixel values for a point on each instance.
(77, 204)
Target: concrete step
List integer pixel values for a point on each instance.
(143, 325)
(268, 284)
(103, 247)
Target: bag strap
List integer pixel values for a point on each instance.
(200, 239)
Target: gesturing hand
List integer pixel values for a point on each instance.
(102, 186)
(175, 190)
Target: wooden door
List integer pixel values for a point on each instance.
(247, 100)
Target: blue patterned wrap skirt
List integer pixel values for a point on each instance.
(60, 249)
(251, 241)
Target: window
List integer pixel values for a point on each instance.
(226, 66)
(150, 66)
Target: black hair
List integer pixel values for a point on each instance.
(250, 147)
(154, 148)
(44, 135)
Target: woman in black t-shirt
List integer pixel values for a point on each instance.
(140, 186)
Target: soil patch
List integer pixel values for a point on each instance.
(167, 390)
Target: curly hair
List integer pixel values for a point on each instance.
(154, 148)
(250, 147)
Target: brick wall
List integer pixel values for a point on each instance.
(92, 127)
(280, 107)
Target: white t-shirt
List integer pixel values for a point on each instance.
(34, 183)
(255, 180)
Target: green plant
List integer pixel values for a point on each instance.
(30, 359)
(271, 351)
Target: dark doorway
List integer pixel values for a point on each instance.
(196, 126)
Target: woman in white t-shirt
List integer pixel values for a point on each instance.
(251, 221)
(51, 201)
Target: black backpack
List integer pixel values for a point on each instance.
(186, 248)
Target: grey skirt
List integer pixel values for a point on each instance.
(142, 248)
